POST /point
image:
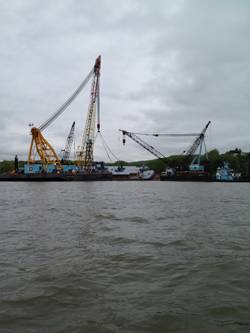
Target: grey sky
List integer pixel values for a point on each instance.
(167, 66)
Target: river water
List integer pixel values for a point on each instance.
(124, 257)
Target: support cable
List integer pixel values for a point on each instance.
(44, 125)
(170, 134)
(116, 158)
(105, 148)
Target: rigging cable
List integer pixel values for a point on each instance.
(106, 151)
(44, 125)
(171, 134)
(107, 147)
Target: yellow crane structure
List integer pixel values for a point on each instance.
(44, 149)
(39, 145)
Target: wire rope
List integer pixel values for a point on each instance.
(62, 108)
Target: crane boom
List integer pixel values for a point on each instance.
(68, 145)
(197, 141)
(143, 144)
(85, 152)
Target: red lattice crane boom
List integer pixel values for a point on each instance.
(85, 152)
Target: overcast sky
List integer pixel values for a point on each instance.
(167, 67)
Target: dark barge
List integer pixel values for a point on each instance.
(193, 176)
(50, 177)
(201, 178)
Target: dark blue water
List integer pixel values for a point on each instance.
(124, 257)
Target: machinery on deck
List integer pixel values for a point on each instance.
(39, 145)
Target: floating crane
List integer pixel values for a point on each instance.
(66, 151)
(195, 172)
(44, 149)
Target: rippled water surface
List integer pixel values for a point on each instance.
(124, 257)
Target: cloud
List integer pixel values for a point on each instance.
(168, 66)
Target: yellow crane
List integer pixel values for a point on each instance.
(43, 148)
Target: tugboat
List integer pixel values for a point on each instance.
(224, 173)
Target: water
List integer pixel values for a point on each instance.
(124, 257)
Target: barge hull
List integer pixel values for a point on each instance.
(214, 180)
(56, 178)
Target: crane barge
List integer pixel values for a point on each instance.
(49, 166)
(195, 172)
